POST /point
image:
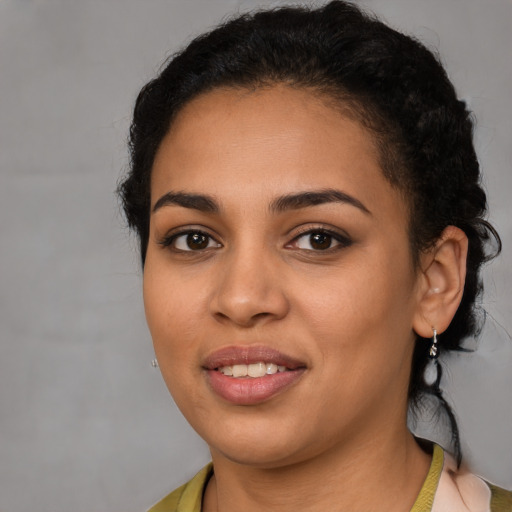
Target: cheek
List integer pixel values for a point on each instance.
(365, 309)
(172, 309)
(362, 328)
(171, 312)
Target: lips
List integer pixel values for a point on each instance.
(231, 373)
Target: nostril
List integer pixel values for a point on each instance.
(242, 318)
(261, 315)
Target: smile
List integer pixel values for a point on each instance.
(250, 375)
(254, 370)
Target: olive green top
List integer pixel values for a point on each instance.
(444, 489)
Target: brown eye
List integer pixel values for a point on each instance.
(197, 241)
(320, 241)
(190, 241)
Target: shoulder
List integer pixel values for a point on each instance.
(501, 500)
(188, 497)
(459, 490)
(170, 502)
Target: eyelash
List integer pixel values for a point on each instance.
(343, 241)
(169, 240)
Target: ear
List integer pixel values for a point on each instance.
(443, 273)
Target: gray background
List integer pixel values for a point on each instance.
(85, 423)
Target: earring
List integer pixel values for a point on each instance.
(154, 363)
(433, 352)
(432, 375)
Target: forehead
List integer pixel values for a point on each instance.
(278, 139)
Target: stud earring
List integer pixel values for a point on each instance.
(434, 349)
(154, 363)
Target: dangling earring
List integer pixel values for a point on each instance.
(432, 375)
(154, 363)
(434, 349)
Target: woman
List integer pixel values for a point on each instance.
(306, 194)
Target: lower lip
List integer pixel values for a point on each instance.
(251, 390)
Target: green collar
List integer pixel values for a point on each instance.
(188, 497)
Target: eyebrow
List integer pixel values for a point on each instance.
(314, 198)
(194, 201)
(207, 204)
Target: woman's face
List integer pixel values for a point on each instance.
(277, 244)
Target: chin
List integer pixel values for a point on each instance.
(266, 458)
(257, 448)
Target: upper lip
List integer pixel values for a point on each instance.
(232, 355)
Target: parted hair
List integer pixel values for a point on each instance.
(388, 81)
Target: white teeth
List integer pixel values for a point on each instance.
(226, 370)
(256, 370)
(271, 368)
(239, 370)
(253, 370)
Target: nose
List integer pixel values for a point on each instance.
(249, 291)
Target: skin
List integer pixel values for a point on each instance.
(337, 438)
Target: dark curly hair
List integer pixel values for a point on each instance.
(386, 80)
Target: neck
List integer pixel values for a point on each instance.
(358, 476)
